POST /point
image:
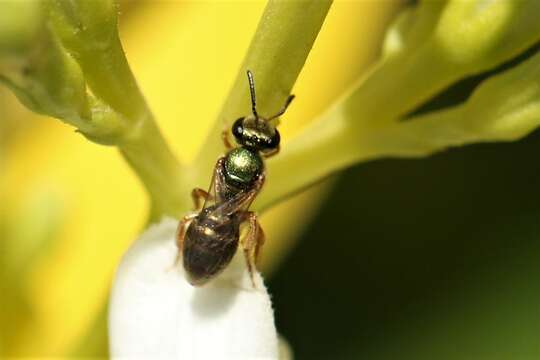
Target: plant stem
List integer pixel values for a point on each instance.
(276, 55)
(150, 157)
(88, 29)
(504, 107)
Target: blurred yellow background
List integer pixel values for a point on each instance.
(70, 208)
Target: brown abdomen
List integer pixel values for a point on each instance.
(208, 249)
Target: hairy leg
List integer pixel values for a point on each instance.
(252, 243)
(197, 194)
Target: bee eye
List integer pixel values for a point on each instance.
(238, 129)
(273, 143)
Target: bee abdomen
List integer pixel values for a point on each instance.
(207, 252)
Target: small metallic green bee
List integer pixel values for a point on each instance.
(208, 239)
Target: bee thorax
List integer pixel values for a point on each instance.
(243, 166)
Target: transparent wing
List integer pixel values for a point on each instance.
(239, 202)
(212, 198)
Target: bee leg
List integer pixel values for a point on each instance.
(225, 138)
(252, 243)
(181, 234)
(196, 195)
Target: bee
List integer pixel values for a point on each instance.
(208, 239)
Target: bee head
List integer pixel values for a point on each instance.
(255, 131)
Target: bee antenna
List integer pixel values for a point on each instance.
(252, 91)
(283, 109)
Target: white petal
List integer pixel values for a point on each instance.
(155, 313)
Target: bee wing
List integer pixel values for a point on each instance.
(214, 190)
(241, 201)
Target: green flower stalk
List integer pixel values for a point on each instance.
(276, 58)
(424, 55)
(89, 51)
(75, 45)
(88, 31)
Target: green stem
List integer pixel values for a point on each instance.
(150, 157)
(88, 29)
(327, 145)
(504, 107)
(276, 55)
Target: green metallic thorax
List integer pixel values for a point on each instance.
(243, 166)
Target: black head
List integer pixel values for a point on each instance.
(255, 131)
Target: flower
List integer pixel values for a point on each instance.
(155, 313)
